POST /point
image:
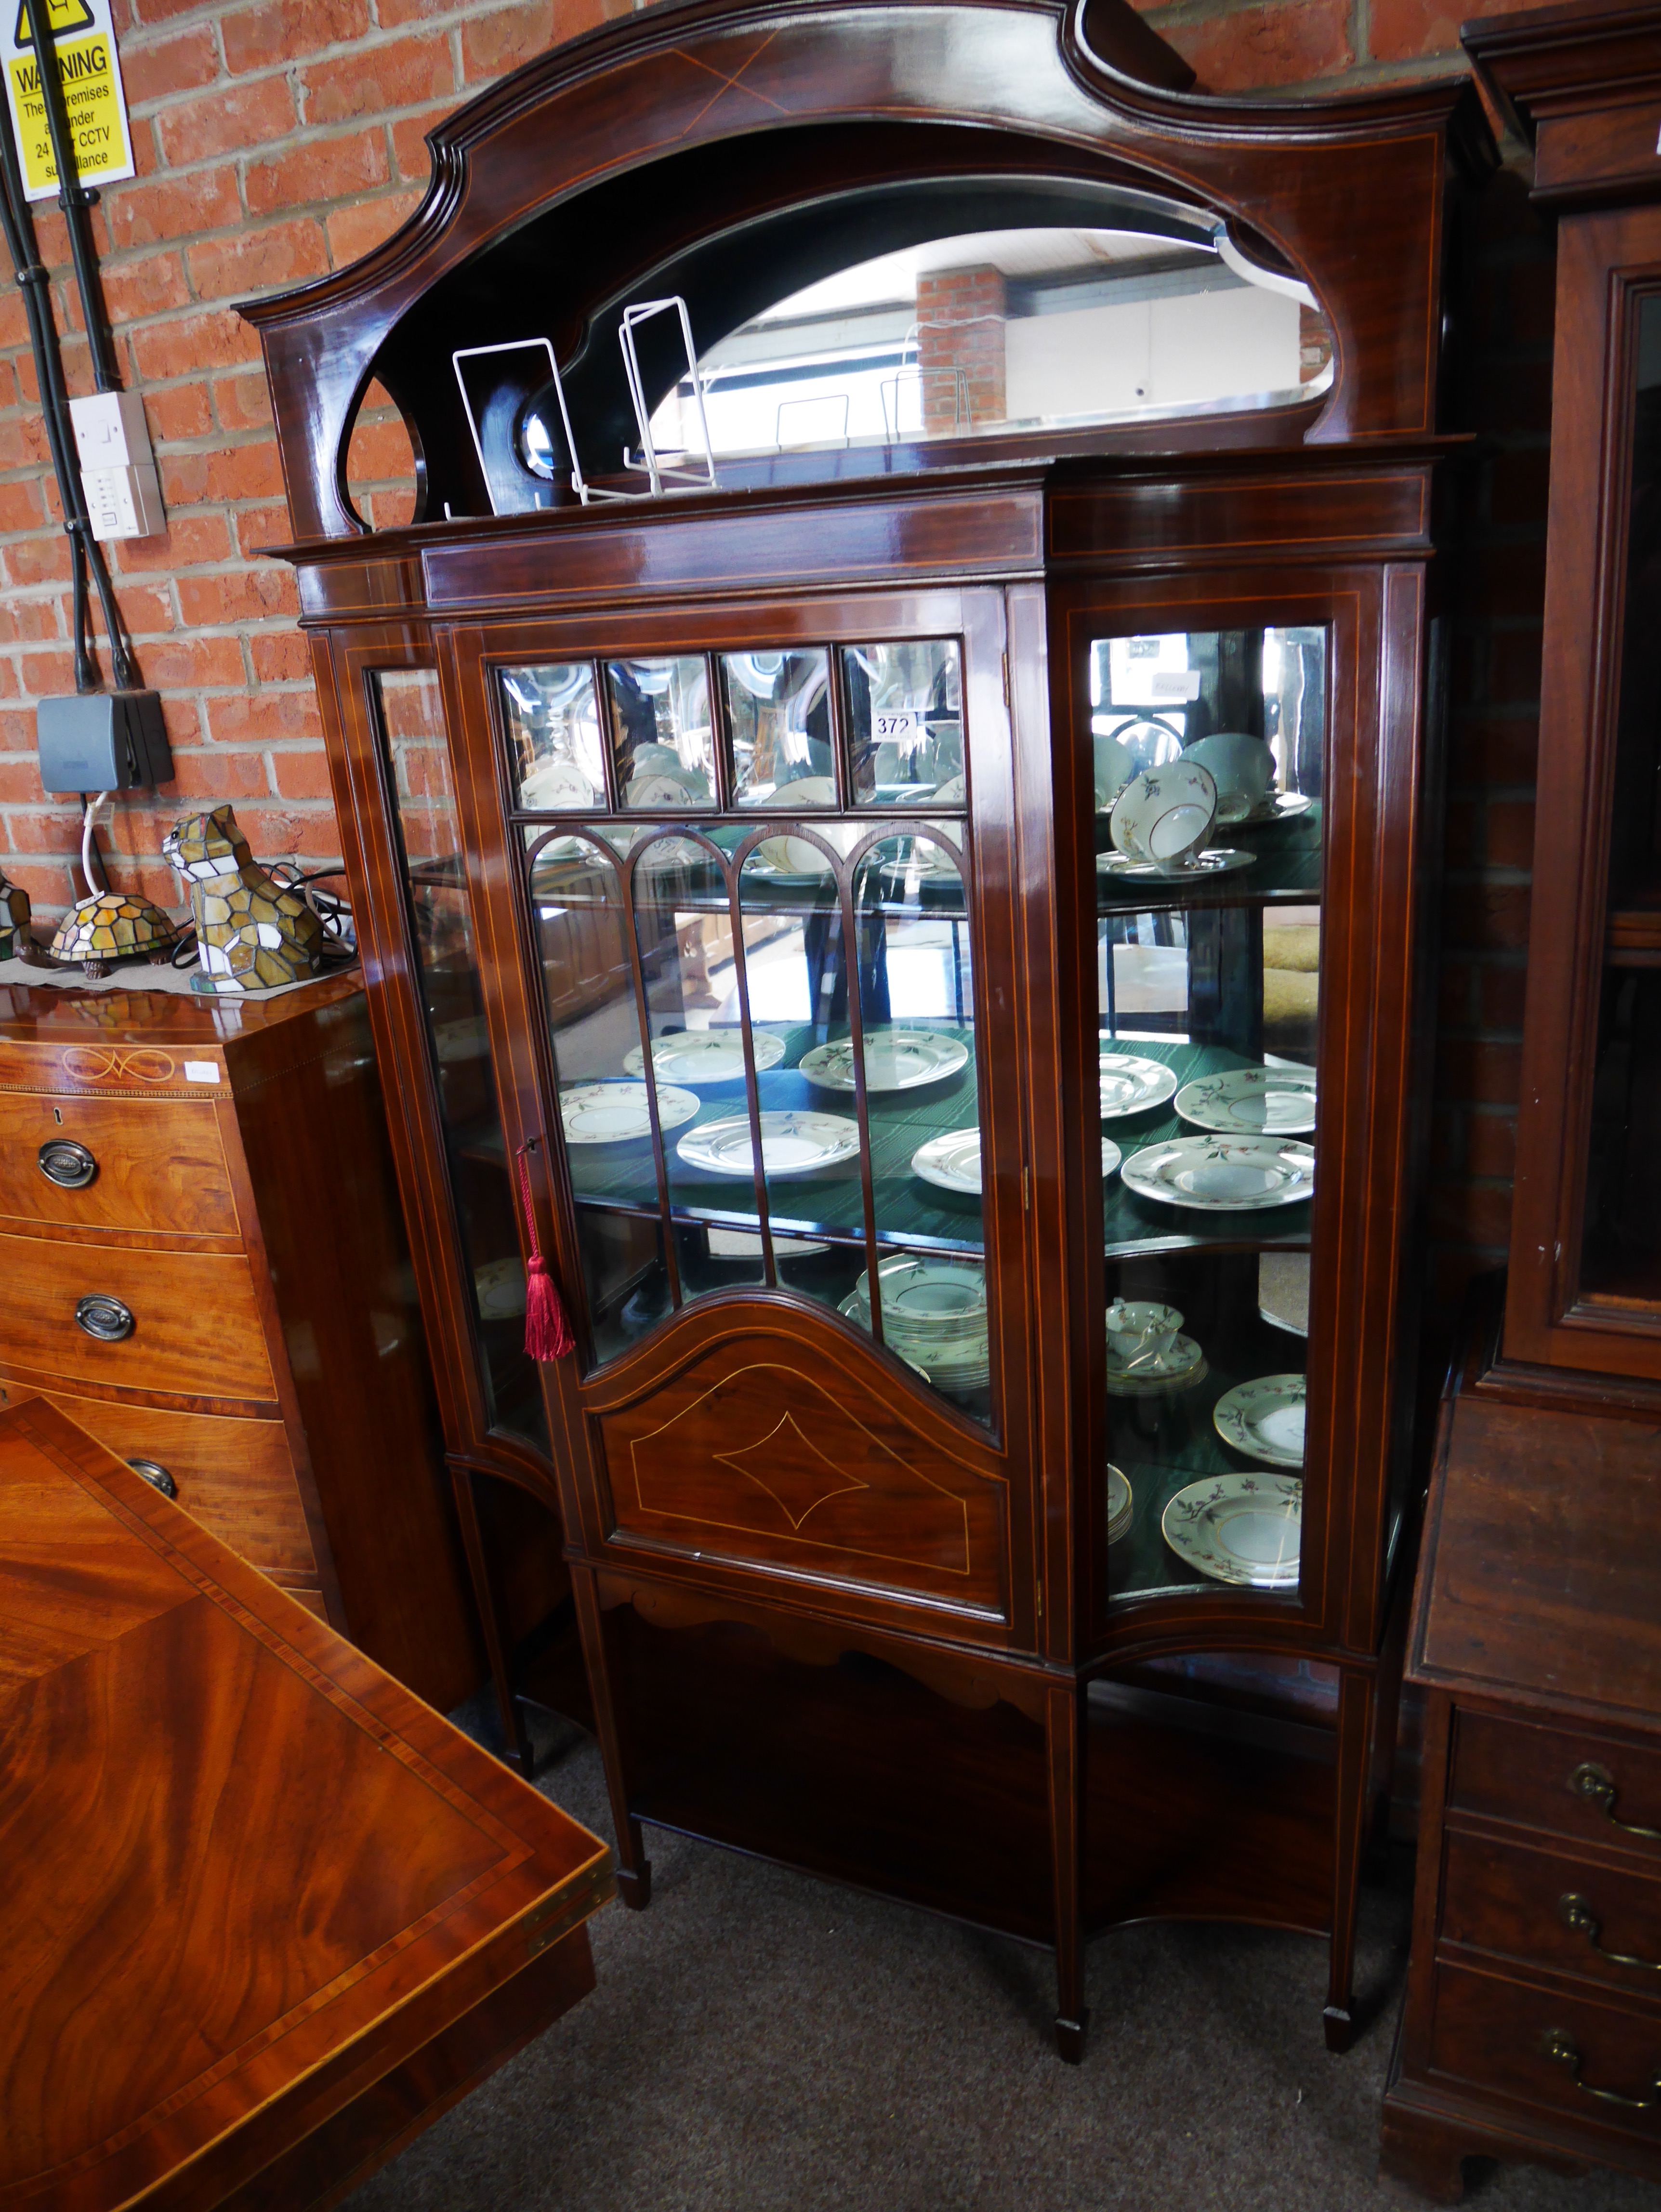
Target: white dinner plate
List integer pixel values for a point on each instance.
(895, 1060)
(791, 1145)
(705, 1055)
(500, 1285)
(1214, 1176)
(1216, 860)
(618, 1113)
(1279, 1101)
(1240, 1529)
(1130, 1085)
(1264, 1419)
(938, 1298)
(952, 1162)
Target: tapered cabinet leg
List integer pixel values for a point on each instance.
(1357, 1700)
(1064, 1745)
(493, 1619)
(634, 1867)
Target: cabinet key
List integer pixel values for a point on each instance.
(1596, 1784)
(1575, 1912)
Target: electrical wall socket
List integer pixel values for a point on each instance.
(117, 471)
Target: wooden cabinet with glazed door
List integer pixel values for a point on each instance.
(740, 846)
(1531, 2028)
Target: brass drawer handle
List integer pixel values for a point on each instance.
(68, 1164)
(1575, 1912)
(156, 1474)
(1559, 2044)
(1595, 1784)
(104, 1318)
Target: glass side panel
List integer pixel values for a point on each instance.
(778, 717)
(1620, 1254)
(662, 742)
(410, 715)
(555, 755)
(1206, 750)
(707, 986)
(905, 723)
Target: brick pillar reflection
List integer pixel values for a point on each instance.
(960, 319)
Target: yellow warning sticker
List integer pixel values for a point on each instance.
(95, 107)
(63, 16)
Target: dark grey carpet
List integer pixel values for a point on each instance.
(760, 2039)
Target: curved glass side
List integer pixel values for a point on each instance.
(763, 1030)
(410, 718)
(1207, 750)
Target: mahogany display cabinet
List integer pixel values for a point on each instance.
(970, 1367)
(1532, 2027)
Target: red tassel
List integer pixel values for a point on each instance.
(547, 1325)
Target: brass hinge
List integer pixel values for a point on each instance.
(1026, 1190)
(1006, 679)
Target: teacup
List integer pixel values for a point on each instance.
(1139, 1333)
(1241, 767)
(1164, 817)
(1115, 766)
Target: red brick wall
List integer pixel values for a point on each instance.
(280, 138)
(274, 141)
(960, 347)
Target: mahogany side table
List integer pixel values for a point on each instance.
(266, 1914)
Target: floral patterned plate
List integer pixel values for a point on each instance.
(1215, 1176)
(705, 1055)
(618, 1113)
(1240, 1529)
(1130, 1085)
(791, 1144)
(1279, 1101)
(1264, 1419)
(895, 1060)
(952, 1162)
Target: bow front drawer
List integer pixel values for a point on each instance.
(156, 1165)
(177, 1322)
(1566, 1780)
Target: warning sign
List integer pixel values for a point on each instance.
(93, 99)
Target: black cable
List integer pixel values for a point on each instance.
(73, 198)
(33, 279)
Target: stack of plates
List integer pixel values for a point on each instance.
(1119, 1505)
(934, 1316)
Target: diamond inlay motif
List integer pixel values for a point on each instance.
(791, 1470)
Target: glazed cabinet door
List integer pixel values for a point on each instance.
(1243, 793)
(757, 864)
(1585, 1258)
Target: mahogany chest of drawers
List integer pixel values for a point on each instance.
(201, 1261)
(1532, 2028)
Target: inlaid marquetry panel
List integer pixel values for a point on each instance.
(744, 1455)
